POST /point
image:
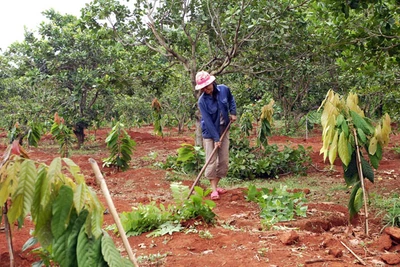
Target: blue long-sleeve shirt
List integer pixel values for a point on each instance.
(212, 109)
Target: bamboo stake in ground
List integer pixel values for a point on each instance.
(354, 254)
(7, 228)
(113, 211)
(361, 175)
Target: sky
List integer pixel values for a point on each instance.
(14, 15)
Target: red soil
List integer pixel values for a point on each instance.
(237, 238)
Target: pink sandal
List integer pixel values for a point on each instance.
(215, 195)
(221, 191)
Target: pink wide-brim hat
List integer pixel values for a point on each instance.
(203, 78)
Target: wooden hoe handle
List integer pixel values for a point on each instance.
(208, 161)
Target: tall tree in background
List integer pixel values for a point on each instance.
(81, 65)
(93, 67)
(365, 37)
(223, 37)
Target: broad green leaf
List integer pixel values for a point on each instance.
(31, 242)
(373, 143)
(13, 172)
(75, 171)
(199, 190)
(95, 214)
(110, 253)
(26, 185)
(343, 150)
(185, 153)
(352, 207)
(378, 152)
(211, 204)
(339, 120)
(345, 128)
(112, 136)
(120, 146)
(374, 160)
(43, 227)
(5, 190)
(80, 196)
(361, 123)
(358, 200)
(362, 139)
(16, 208)
(88, 250)
(367, 170)
(252, 193)
(41, 214)
(126, 262)
(60, 248)
(53, 173)
(36, 205)
(351, 171)
(61, 209)
(34, 135)
(73, 237)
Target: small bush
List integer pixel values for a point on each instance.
(190, 159)
(121, 148)
(277, 204)
(247, 162)
(167, 219)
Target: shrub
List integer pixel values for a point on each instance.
(247, 162)
(164, 219)
(121, 148)
(190, 159)
(277, 204)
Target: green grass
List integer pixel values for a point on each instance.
(85, 151)
(387, 208)
(396, 149)
(380, 202)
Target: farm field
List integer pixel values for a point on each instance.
(323, 238)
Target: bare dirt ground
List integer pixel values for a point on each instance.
(324, 238)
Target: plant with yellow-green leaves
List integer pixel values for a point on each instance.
(347, 133)
(156, 106)
(63, 134)
(121, 148)
(66, 213)
(265, 123)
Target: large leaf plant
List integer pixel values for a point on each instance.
(359, 143)
(66, 213)
(63, 134)
(265, 123)
(121, 147)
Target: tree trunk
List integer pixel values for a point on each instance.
(180, 127)
(79, 131)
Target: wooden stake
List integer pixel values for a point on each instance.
(8, 235)
(361, 175)
(110, 203)
(354, 254)
(7, 226)
(321, 260)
